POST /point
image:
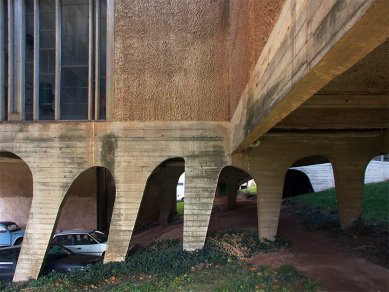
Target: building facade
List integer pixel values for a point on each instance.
(133, 93)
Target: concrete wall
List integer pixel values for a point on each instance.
(251, 23)
(190, 59)
(171, 55)
(79, 210)
(57, 153)
(15, 191)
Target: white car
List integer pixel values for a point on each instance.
(83, 241)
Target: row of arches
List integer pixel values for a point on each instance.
(89, 202)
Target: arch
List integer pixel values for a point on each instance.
(296, 183)
(88, 203)
(159, 200)
(16, 188)
(318, 169)
(376, 184)
(228, 198)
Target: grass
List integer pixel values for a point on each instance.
(376, 202)
(180, 208)
(164, 266)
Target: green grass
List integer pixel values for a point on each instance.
(376, 202)
(164, 266)
(253, 189)
(180, 208)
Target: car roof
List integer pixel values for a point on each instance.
(75, 231)
(7, 222)
(12, 247)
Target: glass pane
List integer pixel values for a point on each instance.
(29, 58)
(103, 58)
(46, 59)
(5, 3)
(74, 73)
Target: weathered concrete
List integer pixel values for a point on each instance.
(311, 43)
(61, 151)
(348, 152)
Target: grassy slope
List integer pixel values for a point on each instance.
(376, 201)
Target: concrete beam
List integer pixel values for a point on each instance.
(311, 43)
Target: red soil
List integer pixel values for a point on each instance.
(317, 253)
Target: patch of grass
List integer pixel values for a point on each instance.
(376, 202)
(180, 208)
(253, 189)
(165, 266)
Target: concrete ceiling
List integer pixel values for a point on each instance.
(356, 99)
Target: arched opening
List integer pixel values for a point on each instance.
(309, 189)
(296, 183)
(16, 191)
(234, 205)
(376, 191)
(85, 214)
(164, 193)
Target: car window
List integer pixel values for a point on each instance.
(57, 251)
(99, 236)
(84, 239)
(8, 256)
(64, 239)
(3, 228)
(13, 227)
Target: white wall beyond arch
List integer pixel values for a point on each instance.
(322, 176)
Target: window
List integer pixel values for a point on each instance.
(54, 66)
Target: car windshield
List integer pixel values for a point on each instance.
(13, 227)
(99, 236)
(58, 251)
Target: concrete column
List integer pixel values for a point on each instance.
(349, 183)
(45, 208)
(269, 198)
(232, 191)
(201, 177)
(129, 192)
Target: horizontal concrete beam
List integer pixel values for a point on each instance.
(312, 43)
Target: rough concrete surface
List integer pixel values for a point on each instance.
(171, 60)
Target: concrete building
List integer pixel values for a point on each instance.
(117, 98)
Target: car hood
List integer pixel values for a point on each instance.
(75, 259)
(18, 233)
(63, 264)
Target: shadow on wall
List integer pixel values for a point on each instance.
(89, 201)
(15, 189)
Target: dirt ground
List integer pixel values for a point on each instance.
(320, 254)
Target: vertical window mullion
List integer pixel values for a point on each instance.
(97, 61)
(10, 57)
(90, 60)
(20, 60)
(58, 52)
(2, 62)
(110, 58)
(36, 62)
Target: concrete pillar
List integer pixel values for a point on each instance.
(45, 208)
(201, 177)
(232, 192)
(269, 198)
(129, 192)
(349, 183)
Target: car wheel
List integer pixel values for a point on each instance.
(18, 241)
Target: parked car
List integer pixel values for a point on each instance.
(59, 259)
(10, 233)
(83, 241)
